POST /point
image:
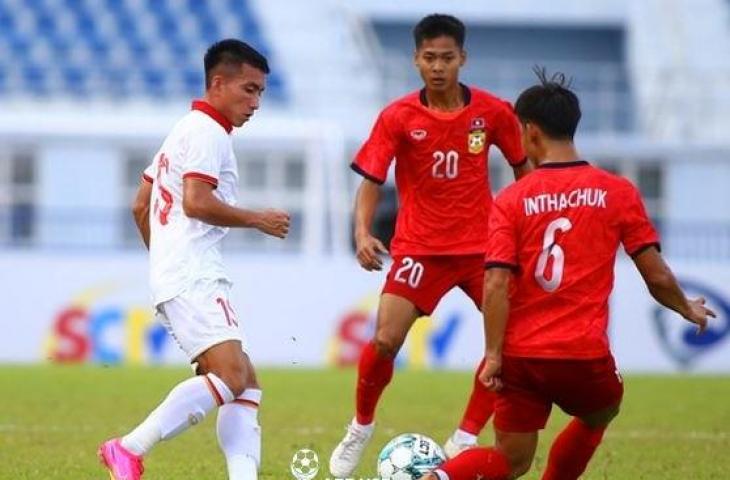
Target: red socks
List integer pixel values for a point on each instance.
(572, 450)
(373, 374)
(479, 462)
(480, 406)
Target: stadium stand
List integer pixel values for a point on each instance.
(117, 49)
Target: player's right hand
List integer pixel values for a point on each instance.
(698, 313)
(490, 373)
(368, 250)
(273, 222)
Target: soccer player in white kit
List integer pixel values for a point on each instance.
(183, 209)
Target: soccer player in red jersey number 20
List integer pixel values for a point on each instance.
(184, 208)
(439, 137)
(552, 244)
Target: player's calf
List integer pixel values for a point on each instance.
(518, 449)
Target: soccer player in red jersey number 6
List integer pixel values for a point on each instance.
(440, 137)
(553, 239)
(184, 207)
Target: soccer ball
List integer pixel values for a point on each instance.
(409, 456)
(304, 464)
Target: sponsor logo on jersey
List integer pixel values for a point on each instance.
(418, 134)
(477, 135)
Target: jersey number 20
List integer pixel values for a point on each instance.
(410, 272)
(552, 249)
(445, 165)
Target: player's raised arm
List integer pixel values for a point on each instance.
(200, 203)
(141, 210)
(508, 139)
(665, 289)
(368, 248)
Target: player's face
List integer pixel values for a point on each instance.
(241, 93)
(439, 60)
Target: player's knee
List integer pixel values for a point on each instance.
(233, 375)
(235, 381)
(602, 418)
(520, 466)
(387, 345)
(520, 462)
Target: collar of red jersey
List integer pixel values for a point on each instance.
(208, 109)
(575, 163)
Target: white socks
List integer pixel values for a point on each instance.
(239, 435)
(186, 405)
(461, 437)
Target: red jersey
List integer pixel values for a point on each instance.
(441, 170)
(559, 229)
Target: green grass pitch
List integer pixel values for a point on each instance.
(52, 419)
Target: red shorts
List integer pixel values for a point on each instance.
(533, 385)
(425, 279)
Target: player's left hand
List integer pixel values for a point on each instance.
(698, 313)
(490, 373)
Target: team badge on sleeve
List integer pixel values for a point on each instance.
(477, 135)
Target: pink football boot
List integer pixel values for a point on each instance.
(122, 464)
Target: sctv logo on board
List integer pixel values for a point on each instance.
(429, 342)
(106, 323)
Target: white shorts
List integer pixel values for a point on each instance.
(201, 317)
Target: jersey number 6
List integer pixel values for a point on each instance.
(552, 249)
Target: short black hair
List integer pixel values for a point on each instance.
(439, 25)
(233, 52)
(551, 105)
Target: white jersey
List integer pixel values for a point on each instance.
(184, 250)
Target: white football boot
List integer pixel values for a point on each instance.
(457, 443)
(347, 454)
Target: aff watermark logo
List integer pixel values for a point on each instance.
(305, 466)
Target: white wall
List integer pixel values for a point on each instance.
(310, 311)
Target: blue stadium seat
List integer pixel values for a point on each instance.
(60, 46)
(154, 82)
(18, 43)
(75, 80)
(193, 81)
(35, 79)
(7, 21)
(46, 23)
(117, 82)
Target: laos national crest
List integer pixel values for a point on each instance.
(477, 136)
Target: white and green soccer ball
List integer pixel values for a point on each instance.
(409, 456)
